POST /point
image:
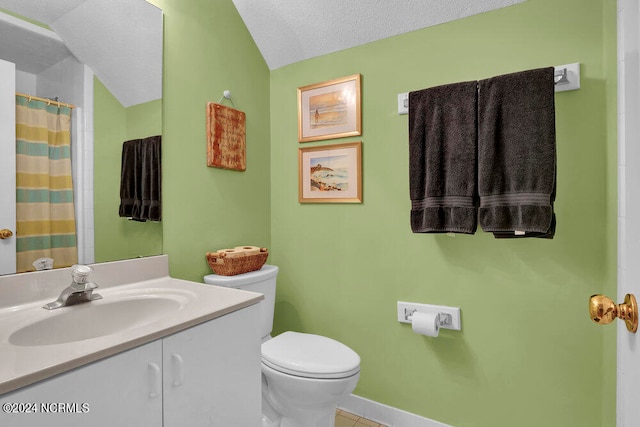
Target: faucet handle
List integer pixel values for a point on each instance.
(80, 273)
(84, 287)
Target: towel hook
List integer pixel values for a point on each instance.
(227, 94)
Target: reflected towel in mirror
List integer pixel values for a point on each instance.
(141, 179)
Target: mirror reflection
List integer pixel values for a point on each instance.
(98, 62)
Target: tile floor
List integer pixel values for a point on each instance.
(346, 419)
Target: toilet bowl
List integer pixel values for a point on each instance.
(304, 376)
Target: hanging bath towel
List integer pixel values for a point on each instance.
(517, 154)
(442, 158)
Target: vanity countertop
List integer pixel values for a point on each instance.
(24, 363)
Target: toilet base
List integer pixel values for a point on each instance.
(324, 417)
(323, 421)
(290, 401)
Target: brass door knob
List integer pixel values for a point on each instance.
(603, 310)
(5, 234)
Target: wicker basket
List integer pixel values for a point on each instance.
(223, 265)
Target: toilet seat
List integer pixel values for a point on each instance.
(310, 356)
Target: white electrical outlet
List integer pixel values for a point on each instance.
(406, 309)
(403, 103)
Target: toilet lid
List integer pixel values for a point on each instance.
(310, 356)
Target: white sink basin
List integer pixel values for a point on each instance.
(113, 314)
(140, 303)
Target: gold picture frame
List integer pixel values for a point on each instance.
(330, 109)
(330, 173)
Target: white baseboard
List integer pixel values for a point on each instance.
(383, 414)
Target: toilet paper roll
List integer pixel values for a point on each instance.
(232, 253)
(249, 250)
(425, 324)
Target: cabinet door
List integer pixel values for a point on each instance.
(212, 373)
(122, 390)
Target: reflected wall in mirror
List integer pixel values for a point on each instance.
(105, 58)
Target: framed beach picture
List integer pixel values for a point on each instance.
(329, 109)
(330, 173)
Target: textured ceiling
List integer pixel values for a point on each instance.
(45, 11)
(120, 40)
(288, 31)
(17, 40)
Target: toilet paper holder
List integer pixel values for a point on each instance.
(448, 317)
(444, 319)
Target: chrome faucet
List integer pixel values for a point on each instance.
(78, 292)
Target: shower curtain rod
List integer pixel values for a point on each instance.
(47, 100)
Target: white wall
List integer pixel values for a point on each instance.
(628, 353)
(25, 82)
(63, 80)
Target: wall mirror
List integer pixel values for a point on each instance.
(105, 58)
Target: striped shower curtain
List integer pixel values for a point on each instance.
(45, 220)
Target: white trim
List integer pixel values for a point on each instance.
(89, 241)
(8, 170)
(628, 350)
(83, 171)
(383, 414)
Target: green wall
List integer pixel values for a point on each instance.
(208, 50)
(527, 354)
(118, 238)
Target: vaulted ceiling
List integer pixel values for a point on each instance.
(288, 31)
(121, 40)
(285, 31)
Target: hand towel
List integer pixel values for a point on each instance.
(141, 179)
(442, 158)
(517, 154)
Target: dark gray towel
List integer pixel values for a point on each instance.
(442, 158)
(141, 179)
(517, 154)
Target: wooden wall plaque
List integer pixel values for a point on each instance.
(226, 131)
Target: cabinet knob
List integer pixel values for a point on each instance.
(5, 233)
(603, 310)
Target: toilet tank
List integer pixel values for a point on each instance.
(262, 281)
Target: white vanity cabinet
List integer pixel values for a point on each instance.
(212, 374)
(111, 392)
(207, 375)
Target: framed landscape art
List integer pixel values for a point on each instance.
(330, 109)
(330, 174)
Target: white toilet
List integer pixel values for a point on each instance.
(303, 375)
